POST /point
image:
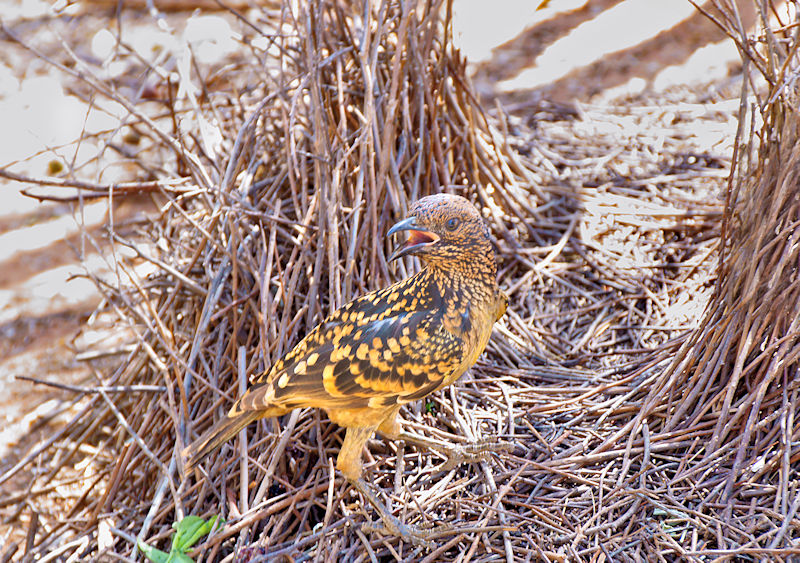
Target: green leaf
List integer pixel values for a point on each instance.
(198, 531)
(187, 533)
(153, 554)
(189, 530)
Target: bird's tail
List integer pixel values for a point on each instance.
(220, 433)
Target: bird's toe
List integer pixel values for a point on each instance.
(457, 454)
(388, 525)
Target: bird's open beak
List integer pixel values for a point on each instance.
(417, 239)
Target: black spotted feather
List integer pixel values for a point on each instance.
(375, 346)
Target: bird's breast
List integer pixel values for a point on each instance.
(472, 322)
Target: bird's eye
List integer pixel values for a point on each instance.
(451, 224)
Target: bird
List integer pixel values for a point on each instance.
(388, 347)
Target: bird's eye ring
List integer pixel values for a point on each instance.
(451, 224)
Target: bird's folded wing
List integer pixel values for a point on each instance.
(396, 358)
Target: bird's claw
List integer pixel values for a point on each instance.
(388, 525)
(457, 454)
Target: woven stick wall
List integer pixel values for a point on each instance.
(734, 384)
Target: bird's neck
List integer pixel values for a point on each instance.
(469, 296)
(466, 279)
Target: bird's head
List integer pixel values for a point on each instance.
(442, 229)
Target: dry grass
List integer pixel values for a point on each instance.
(275, 187)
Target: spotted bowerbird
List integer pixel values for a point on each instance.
(389, 347)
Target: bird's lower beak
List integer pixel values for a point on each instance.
(417, 241)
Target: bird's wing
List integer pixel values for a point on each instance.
(369, 353)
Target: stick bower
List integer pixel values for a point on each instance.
(276, 181)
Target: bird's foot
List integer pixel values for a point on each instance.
(457, 454)
(389, 524)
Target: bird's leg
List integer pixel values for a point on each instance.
(349, 463)
(456, 454)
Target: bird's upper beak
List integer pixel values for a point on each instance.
(418, 239)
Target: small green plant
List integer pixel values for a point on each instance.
(187, 533)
